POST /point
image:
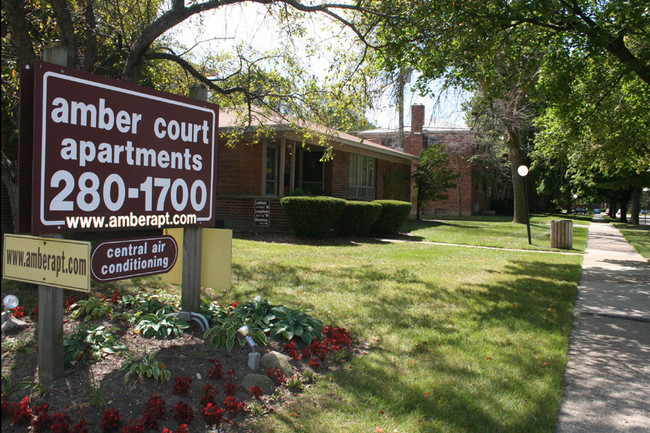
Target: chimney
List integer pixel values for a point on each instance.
(414, 143)
(417, 118)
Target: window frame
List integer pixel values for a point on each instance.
(362, 180)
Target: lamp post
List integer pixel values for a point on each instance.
(645, 205)
(523, 172)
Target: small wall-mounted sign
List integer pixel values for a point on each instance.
(129, 258)
(262, 213)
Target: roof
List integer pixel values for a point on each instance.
(229, 120)
(435, 126)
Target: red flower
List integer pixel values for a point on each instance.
(36, 311)
(69, 301)
(276, 375)
(21, 413)
(134, 426)
(216, 372)
(231, 388)
(18, 312)
(60, 423)
(233, 305)
(156, 406)
(181, 429)
(338, 336)
(233, 405)
(209, 394)
(313, 363)
(81, 427)
(42, 419)
(256, 391)
(184, 413)
(110, 420)
(292, 350)
(116, 297)
(181, 385)
(212, 414)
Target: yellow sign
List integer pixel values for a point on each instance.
(47, 261)
(216, 258)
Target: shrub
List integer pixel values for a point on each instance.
(312, 217)
(392, 216)
(358, 217)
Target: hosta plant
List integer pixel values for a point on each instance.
(144, 367)
(150, 302)
(161, 324)
(225, 332)
(90, 343)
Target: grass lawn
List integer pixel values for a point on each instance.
(457, 339)
(638, 236)
(451, 339)
(495, 232)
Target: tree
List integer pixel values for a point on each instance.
(432, 176)
(127, 39)
(472, 45)
(597, 119)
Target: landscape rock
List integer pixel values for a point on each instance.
(277, 360)
(261, 380)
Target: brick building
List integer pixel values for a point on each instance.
(468, 197)
(252, 177)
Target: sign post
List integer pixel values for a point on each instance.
(192, 246)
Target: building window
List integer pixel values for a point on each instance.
(271, 169)
(362, 177)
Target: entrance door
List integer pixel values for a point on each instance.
(312, 172)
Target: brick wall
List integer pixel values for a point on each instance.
(239, 169)
(383, 187)
(337, 175)
(238, 213)
(460, 199)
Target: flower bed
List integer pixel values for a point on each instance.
(204, 389)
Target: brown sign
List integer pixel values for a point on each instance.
(129, 258)
(111, 155)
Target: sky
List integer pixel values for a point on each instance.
(245, 22)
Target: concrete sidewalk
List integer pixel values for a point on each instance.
(607, 376)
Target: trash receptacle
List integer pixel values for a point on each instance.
(562, 234)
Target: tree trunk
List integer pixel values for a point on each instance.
(636, 194)
(516, 159)
(625, 198)
(10, 181)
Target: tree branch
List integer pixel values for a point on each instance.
(66, 29)
(20, 38)
(179, 12)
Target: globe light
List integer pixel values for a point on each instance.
(522, 170)
(10, 302)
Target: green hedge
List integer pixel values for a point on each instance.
(358, 217)
(392, 216)
(312, 217)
